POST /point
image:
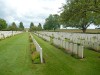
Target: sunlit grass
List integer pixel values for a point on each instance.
(15, 59)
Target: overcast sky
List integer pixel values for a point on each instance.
(27, 11)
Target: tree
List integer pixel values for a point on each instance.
(13, 27)
(56, 21)
(39, 26)
(3, 24)
(35, 28)
(21, 27)
(31, 26)
(80, 13)
(52, 22)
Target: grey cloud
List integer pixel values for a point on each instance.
(32, 16)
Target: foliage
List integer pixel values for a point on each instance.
(52, 22)
(3, 24)
(36, 57)
(80, 13)
(39, 26)
(13, 27)
(31, 24)
(35, 28)
(21, 27)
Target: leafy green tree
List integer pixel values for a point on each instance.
(56, 21)
(80, 13)
(21, 27)
(31, 26)
(3, 24)
(13, 27)
(52, 22)
(35, 28)
(39, 26)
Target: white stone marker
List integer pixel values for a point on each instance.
(67, 45)
(75, 49)
(64, 44)
(96, 46)
(71, 47)
(80, 51)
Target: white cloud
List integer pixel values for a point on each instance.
(92, 26)
(28, 10)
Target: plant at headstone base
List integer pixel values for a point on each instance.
(30, 39)
(32, 48)
(51, 39)
(59, 38)
(46, 35)
(74, 55)
(34, 54)
(36, 57)
(78, 44)
(70, 41)
(82, 39)
(94, 37)
(66, 39)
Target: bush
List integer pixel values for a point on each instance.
(36, 57)
(30, 39)
(37, 61)
(32, 47)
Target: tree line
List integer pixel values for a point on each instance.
(14, 27)
(34, 27)
(75, 13)
(4, 26)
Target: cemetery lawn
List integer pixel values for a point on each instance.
(15, 56)
(58, 62)
(15, 59)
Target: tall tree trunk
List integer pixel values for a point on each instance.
(84, 30)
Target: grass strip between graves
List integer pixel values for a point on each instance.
(59, 63)
(15, 56)
(15, 59)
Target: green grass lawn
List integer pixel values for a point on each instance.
(59, 63)
(15, 59)
(15, 56)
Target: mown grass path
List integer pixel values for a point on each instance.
(15, 56)
(59, 63)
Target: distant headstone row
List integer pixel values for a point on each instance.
(38, 48)
(73, 43)
(5, 34)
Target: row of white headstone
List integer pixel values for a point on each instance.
(38, 48)
(71, 48)
(5, 34)
(87, 40)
